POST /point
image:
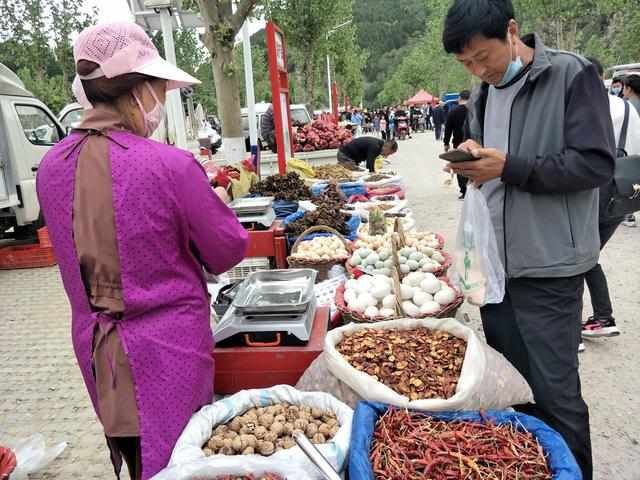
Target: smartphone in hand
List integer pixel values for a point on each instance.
(456, 156)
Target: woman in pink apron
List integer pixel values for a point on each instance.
(133, 222)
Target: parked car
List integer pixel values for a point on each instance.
(299, 116)
(28, 129)
(71, 116)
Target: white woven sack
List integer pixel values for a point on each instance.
(189, 445)
(487, 379)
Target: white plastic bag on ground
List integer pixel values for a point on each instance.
(477, 269)
(32, 455)
(487, 379)
(199, 429)
(205, 469)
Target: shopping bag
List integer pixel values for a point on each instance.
(477, 269)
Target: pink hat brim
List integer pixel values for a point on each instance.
(160, 68)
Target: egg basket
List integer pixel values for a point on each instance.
(8, 462)
(396, 245)
(402, 236)
(322, 265)
(349, 315)
(447, 311)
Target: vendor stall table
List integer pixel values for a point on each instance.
(269, 243)
(238, 368)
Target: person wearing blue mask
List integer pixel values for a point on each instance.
(542, 148)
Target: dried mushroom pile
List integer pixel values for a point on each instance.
(283, 187)
(267, 430)
(376, 177)
(417, 363)
(332, 172)
(328, 213)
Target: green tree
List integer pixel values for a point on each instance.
(222, 25)
(306, 24)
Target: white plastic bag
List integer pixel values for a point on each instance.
(32, 455)
(487, 379)
(189, 445)
(477, 269)
(205, 469)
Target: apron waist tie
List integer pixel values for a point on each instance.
(106, 324)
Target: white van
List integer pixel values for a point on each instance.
(27, 130)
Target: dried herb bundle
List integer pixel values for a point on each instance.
(283, 187)
(328, 213)
(418, 363)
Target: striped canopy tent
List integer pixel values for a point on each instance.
(421, 98)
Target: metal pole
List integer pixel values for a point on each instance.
(329, 80)
(175, 114)
(248, 81)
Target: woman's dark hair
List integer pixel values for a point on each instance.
(468, 18)
(107, 90)
(633, 82)
(465, 94)
(597, 64)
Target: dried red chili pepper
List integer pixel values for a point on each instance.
(412, 446)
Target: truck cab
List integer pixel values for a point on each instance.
(28, 129)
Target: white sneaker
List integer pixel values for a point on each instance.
(581, 347)
(629, 221)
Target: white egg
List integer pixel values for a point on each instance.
(371, 312)
(368, 300)
(404, 268)
(380, 291)
(351, 284)
(420, 298)
(438, 257)
(430, 308)
(410, 309)
(430, 267)
(381, 279)
(350, 296)
(358, 305)
(406, 292)
(430, 284)
(387, 312)
(445, 296)
(389, 301)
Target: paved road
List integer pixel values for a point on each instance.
(41, 389)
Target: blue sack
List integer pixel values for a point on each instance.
(347, 188)
(284, 208)
(560, 459)
(352, 228)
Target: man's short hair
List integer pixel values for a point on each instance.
(468, 18)
(617, 80)
(465, 94)
(597, 64)
(392, 144)
(633, 82)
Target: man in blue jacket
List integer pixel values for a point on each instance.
(543, 148)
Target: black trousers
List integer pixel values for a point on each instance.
(438, 131)
(462, 184)
(596, 279)
(537, 328)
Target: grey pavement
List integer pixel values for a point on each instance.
(41, 389)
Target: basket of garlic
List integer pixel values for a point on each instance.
(422, 294)
(320, 253)
(370, 298)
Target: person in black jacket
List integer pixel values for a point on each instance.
(365, 149)
(438, 120)
(455, 127)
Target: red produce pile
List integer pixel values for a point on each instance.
(320, 135)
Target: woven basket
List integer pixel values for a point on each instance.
(357, 317)
(396, 245)
(447, 311)
(322, 265)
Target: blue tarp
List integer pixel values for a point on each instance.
(347, 188)
(561, 461)
(352, 227)
(284, 208)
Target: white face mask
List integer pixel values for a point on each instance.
(153, 118)
(514, 66)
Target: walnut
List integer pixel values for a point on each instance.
(248, 451)
(318, 438)
(260, 432)
(266, 448)
(311, 430)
